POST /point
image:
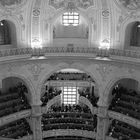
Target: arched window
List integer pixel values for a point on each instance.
(69, 95)
(70, 18)
(135, 34)
(4, 33)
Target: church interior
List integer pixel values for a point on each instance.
(69, 69)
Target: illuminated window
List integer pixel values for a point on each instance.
(69, 95)
(70, 18)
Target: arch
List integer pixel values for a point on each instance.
(87, 103)
(27, 82)
(135, 34)
(126, 24)
(60, 12)
(110, 85)
(5, 34)
(65, 66)
(14, 22)
(53, 101)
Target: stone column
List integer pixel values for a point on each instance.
(36, 122)
(102, 122)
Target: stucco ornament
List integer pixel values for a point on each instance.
(11, 3)
(130, 4)
(85, 3)
(65, 3)
(57, 3)
(36, 69)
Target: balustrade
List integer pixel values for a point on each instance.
(60, 51)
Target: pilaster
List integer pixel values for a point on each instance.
(102, 123)
(36, 122)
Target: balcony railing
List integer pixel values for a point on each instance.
(69, 51)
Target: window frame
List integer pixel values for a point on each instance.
(70, 19)
(69, 95)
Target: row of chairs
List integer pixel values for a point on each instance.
(69, 108)
(68, 126)
(16, 129)
(70, 76)
(126, 102)
(13, 102)
(123, 131)
(70, 120)
(85, 92)
(68, 115)
(50, 94)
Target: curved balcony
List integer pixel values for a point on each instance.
(70, 51)
(110, 138)
(16, 116)
(58, 99)
(30, 137)
(1, 138)
(64, 132)
(124, 118)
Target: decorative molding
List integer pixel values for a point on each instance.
(105, 13)
(104, 70)
(69, 132)
(36, 69)
(57, 4)
(36, 12)
(71, 4)
(12, 4)
(85, 3)
(130, 4)
(73, 51)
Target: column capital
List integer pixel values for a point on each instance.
(36, 110)
(103, 102)
(102, 111)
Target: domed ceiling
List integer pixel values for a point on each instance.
(130, 4)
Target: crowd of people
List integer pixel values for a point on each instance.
(126, 102)
(79, 108)
(85, 92)
(70, 76)
(50, 94)
(89, 95)
(123, 131)
(16, 129)
(13, 101)
(69, 117)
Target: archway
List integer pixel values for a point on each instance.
(11, 83)
(71, 83)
